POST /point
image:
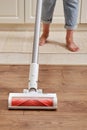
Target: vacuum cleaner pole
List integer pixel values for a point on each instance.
(34, 67)
(37, 32)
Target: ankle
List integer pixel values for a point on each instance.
(69, 36)
(46, 30)
(69, 39)
(45, 34)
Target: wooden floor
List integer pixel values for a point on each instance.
(70, 84)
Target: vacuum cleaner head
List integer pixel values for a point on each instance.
(32, 100)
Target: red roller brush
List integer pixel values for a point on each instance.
(32, 98)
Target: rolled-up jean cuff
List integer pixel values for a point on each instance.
(46, 22)
(70, 27)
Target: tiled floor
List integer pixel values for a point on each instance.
(16, 48)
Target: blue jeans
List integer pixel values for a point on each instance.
(70, 12)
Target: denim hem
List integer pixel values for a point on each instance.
(70, 27)
(46, 22)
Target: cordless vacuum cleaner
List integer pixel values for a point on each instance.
(33, 98)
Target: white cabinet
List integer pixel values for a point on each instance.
(30, 8)
(11, 11)
(58, 12)
(84, 11)
(23, 11)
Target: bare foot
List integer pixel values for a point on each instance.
(43, 39)
(72, 46)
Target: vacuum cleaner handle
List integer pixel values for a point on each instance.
(37, 32)
(34, 67)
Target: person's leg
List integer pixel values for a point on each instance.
(71, 15)
(45, 34)
(47, 15)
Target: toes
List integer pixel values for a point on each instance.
(73, 49)
(42, 40)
